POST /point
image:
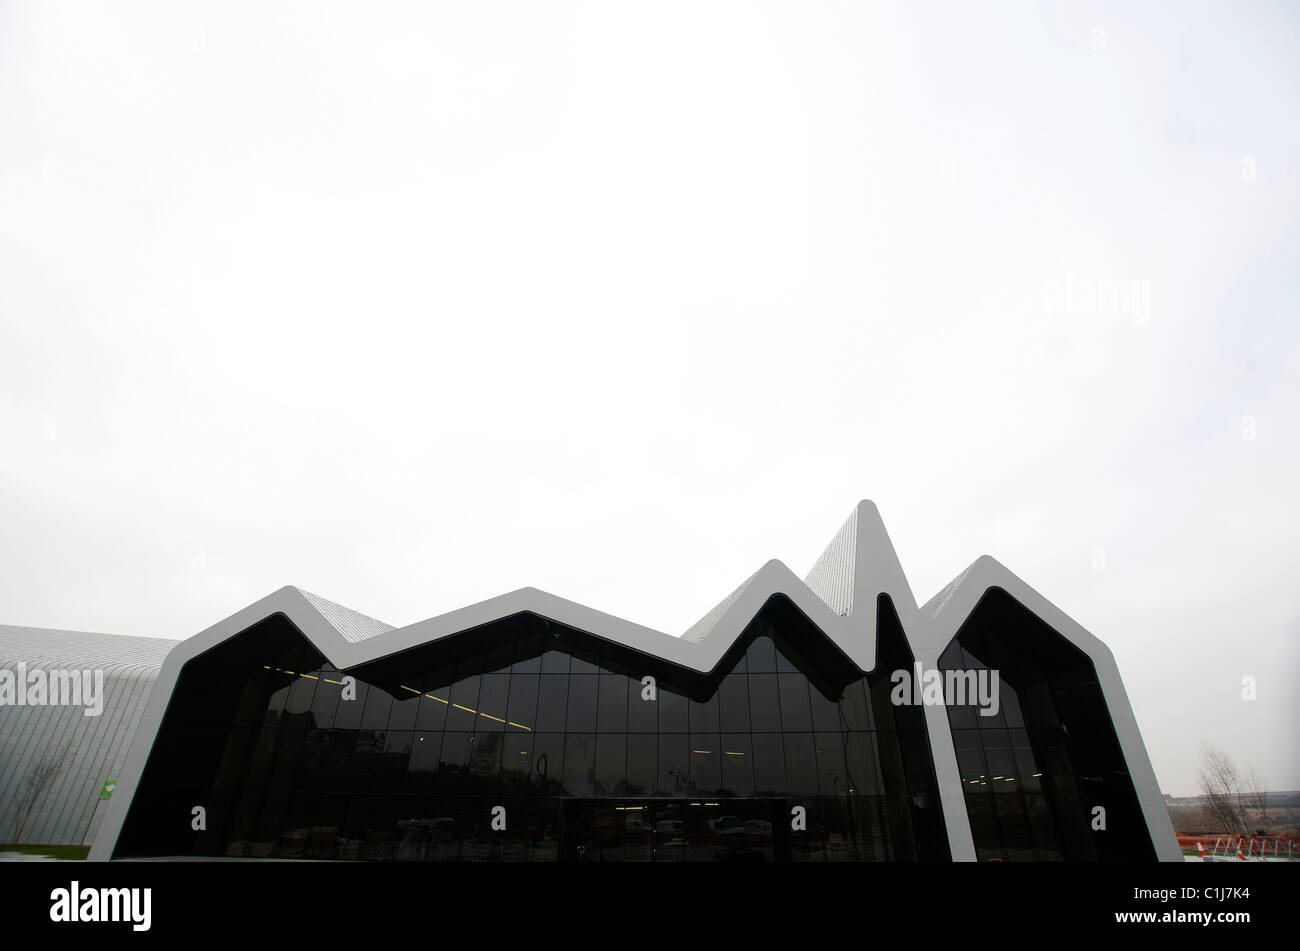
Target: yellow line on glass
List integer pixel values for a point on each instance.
(339, 683)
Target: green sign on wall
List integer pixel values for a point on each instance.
(107, 791)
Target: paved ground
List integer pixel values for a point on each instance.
(24, 857)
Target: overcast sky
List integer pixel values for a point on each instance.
(413, 306)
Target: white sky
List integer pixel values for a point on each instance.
(412, 306)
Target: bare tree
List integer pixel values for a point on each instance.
(1221, 785)
(1257, 796)
(39, 780)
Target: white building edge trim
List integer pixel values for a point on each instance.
(868, 559)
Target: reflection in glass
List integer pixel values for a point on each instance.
(410, 767)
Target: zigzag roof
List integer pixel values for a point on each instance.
(839, 596)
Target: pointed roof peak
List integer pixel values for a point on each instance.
(860, 564)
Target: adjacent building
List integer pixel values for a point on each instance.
(79, 745)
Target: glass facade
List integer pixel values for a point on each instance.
(526, 740)
(1035, 774)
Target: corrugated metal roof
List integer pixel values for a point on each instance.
(77, 649)
(353, 625)
(701, 628)
(831, 579)
(91, 749)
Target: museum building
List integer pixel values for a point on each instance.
(528, 728)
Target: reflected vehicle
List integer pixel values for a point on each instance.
(418, 835)
(443, 828)
(670, 827)
(813, 841)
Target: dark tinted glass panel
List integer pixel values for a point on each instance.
(642, 714)
(1010, 703)
(737, 764)
(765, 703)
(582, 703)
(611, 764)
(425, 750)
(405, 707)
(548, 763)
(493, 696)
(674, 764)
(612, 714)
(301, 693)
(642, 764)
(521, 707)
(326, 702)
(860, 765)
(769, 764)
(398, 743)
(796, 716)
(853, 707)
(352, 703)
(832, 771)
(706, 763)
(275, 703)
(454, 760)
(579, 764)
(673, 712)
(485, 760)
(528, 656)
(498, 660)
(801, 764)
(463, 712)
(552, 702)
(825, 711)
(788, 662)
(761, 656)
(555, 662)
(733, 703)
(432, 714)
(378, 705)
(517, 762)
(704, 715)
